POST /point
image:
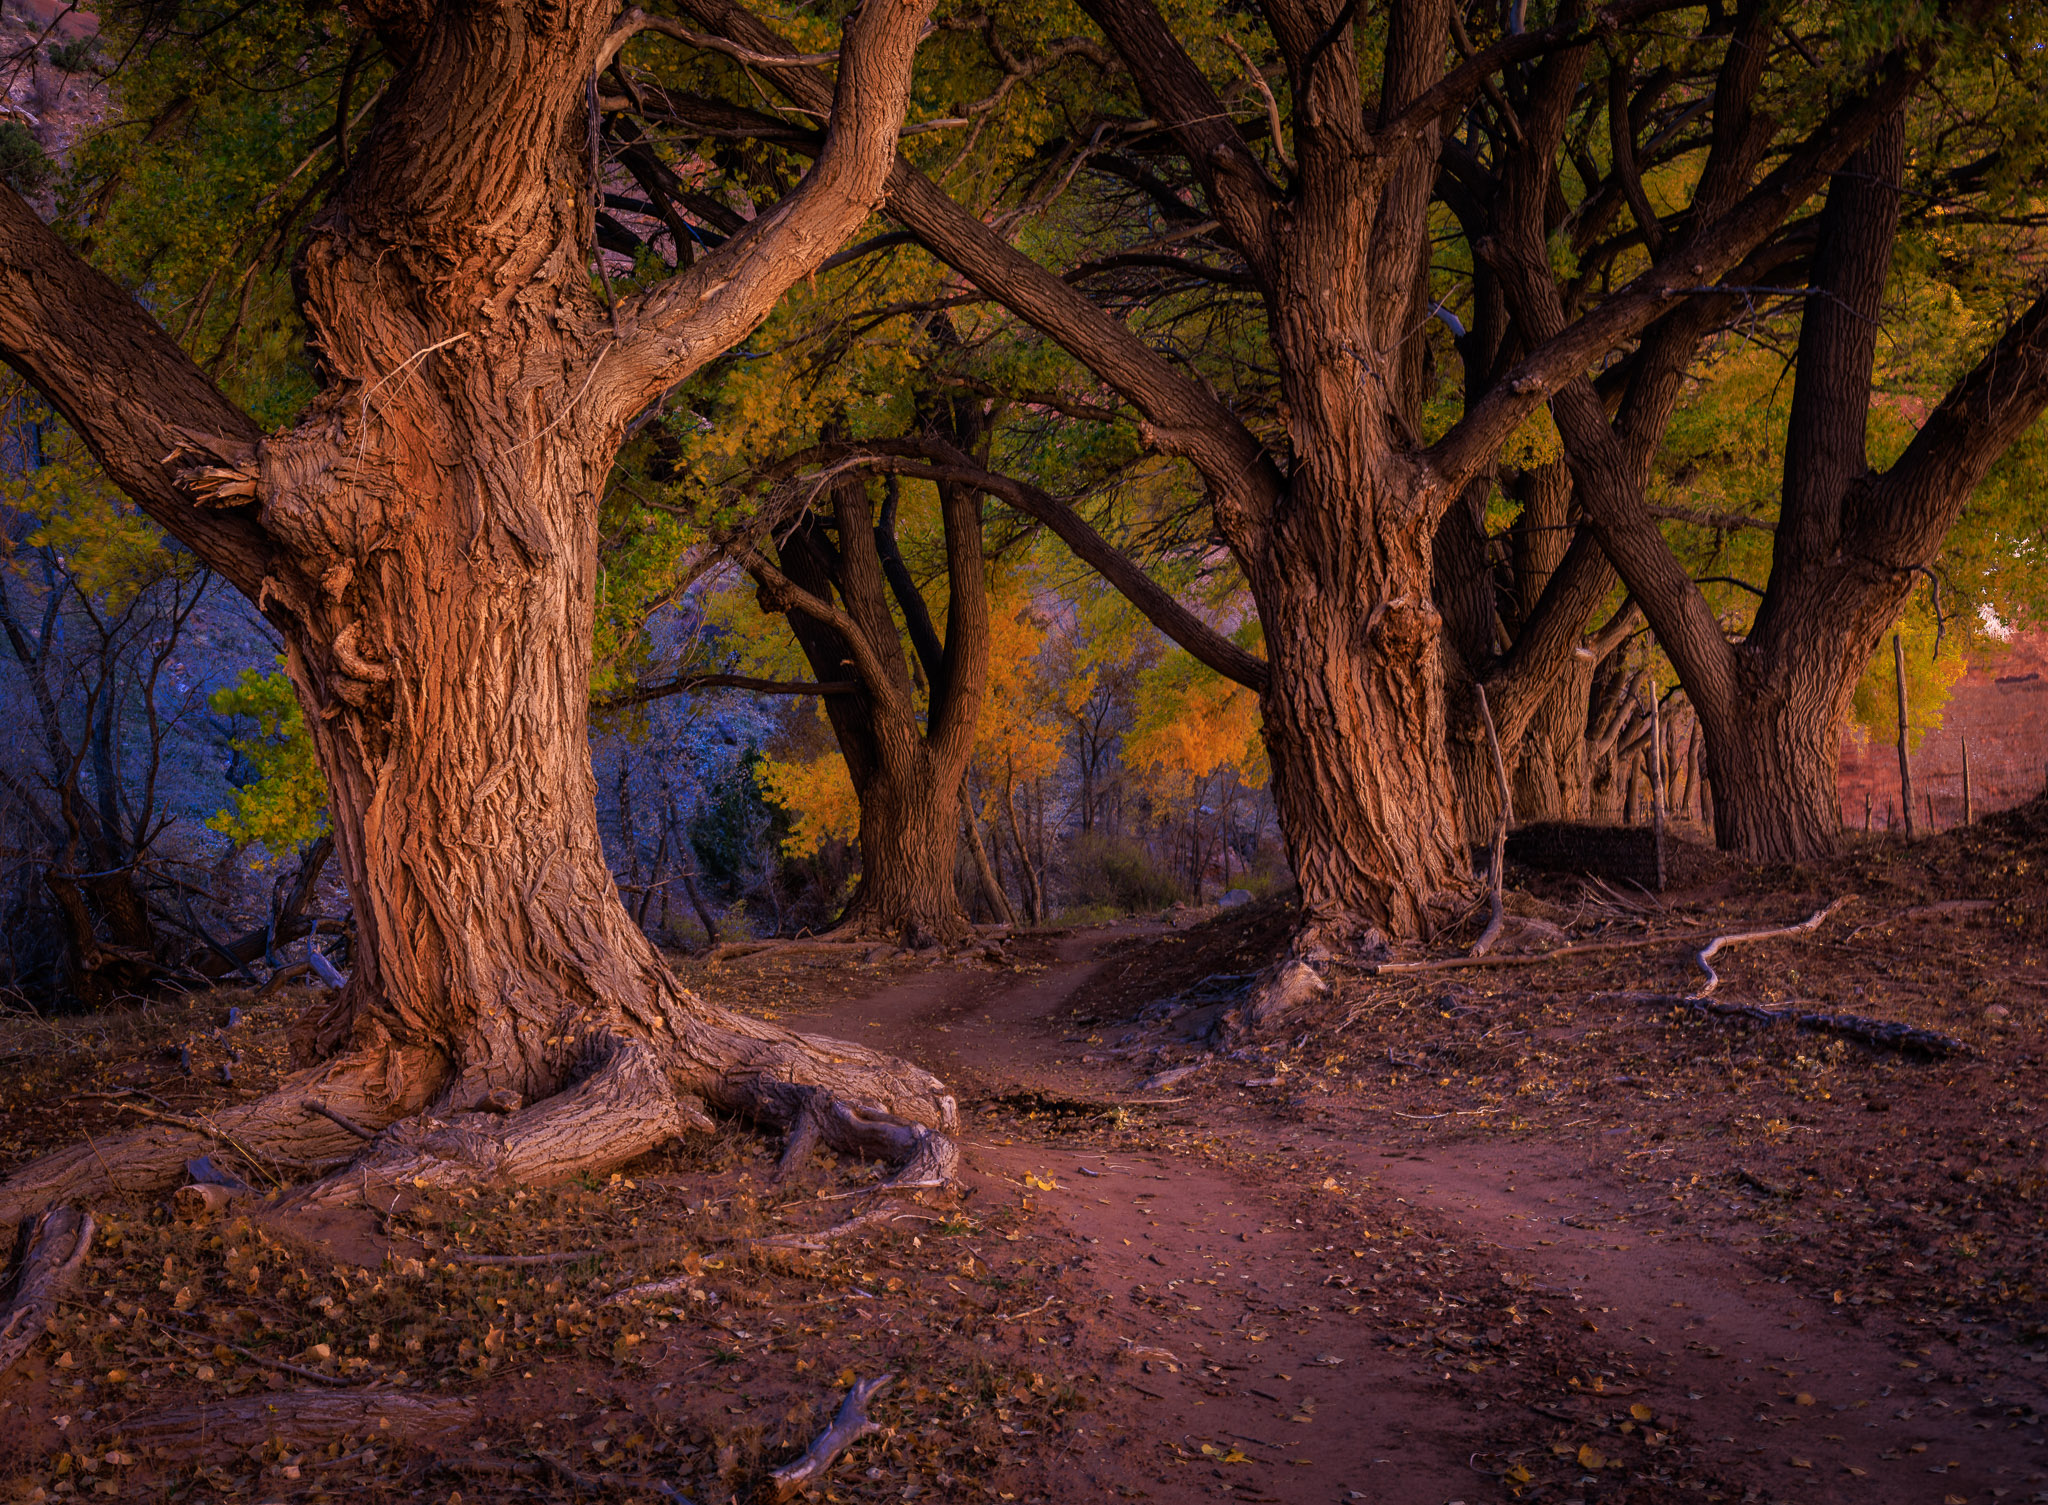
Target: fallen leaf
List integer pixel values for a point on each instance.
(1591, 1457)
(1639, 1411)
(1802, 1463)
(1803, 1399)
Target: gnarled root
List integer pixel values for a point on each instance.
(56, 1252)
(1276, 991)
(621, 1109)
(923, 1157)
(375, 1083)
(636, 1086)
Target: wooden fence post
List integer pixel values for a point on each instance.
(1905, 766)
(1969, 802)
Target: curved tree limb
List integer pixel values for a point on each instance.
(143, 407)
(848, 1427)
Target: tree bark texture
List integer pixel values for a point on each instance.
(424, 538)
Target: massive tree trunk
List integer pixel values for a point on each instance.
(425, 540)
(1848, 539)
(1355, 723)
(1775, 761)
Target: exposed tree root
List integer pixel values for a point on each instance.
(848, 1427)
(303, 1418)
(1275, 992)
(381, 1117)
(56, 1253)
(727, 951)
(375, 1083)
(623, 1108)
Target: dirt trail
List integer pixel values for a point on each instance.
(1225, 1319)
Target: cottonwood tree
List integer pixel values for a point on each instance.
(1322, 203)
(1849, 537)
(423, 536)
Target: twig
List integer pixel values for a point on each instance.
(256, 1358)
(559, 1257)
(848, 1427)
(1705, 958)
(1030, 1312)
(1584, 948)
(210, 1131)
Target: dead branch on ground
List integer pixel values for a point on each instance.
(848, 1427)
(1886, 1034)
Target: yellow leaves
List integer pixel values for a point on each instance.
(1639, 1411)
(1591, 1457)
(1190, 722)
(1223, 1454)
(1046, 1184)
(818, 794)
(1803, 1399)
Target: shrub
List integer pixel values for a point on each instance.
(1118, 874)
(74, 56)
(24, 164)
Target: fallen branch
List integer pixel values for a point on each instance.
(1886, 1034)
(56, 1253)
(848, 1427)
(1530, 959)
(1705, 959)
(1889, 1034)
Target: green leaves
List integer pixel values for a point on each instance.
(286, 806)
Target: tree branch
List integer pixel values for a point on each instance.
(673, 328)
(149, 414)
(1184, 417)
(690, 684)
(943, 463)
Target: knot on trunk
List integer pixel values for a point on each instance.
(1403, 626)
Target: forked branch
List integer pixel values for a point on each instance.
(848, 1427)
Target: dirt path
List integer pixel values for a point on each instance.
(1245, 1370)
